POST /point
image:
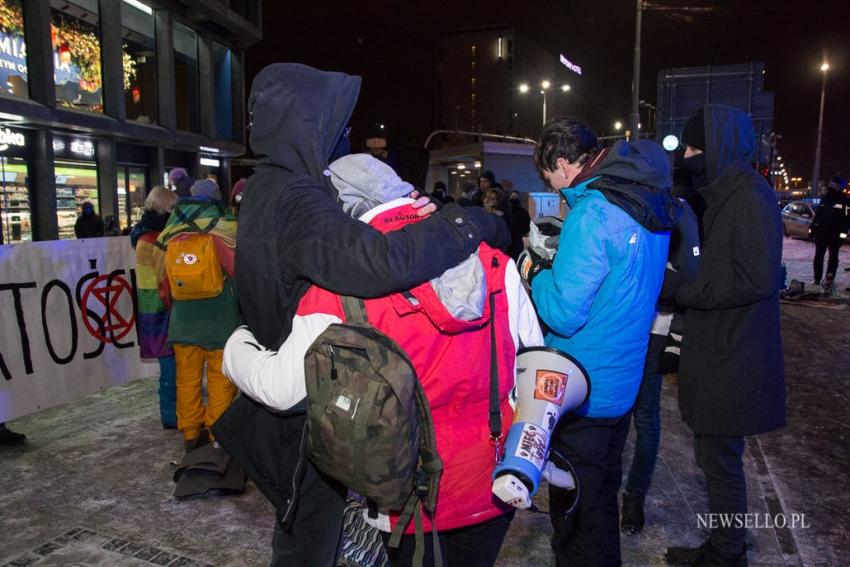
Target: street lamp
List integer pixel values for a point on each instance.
(618, 125)
(544, 88)
(634, 115)
(816, 169)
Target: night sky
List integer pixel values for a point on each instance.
(391, 45)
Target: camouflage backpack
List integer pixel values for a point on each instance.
(368, 419)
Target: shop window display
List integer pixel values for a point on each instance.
(77, 65)
(15, 223)
(13, 49)
(76, 183)
(132, 191)
(139, 46)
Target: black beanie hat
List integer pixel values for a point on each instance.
(693, 134)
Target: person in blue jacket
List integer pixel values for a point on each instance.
(598, 300)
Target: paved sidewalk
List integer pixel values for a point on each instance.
(93, 484)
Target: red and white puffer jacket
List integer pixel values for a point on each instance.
(450, 352)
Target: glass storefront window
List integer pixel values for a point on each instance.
(186, 77)
(76, 55)
(139, 48)
(15, 224)
(222, 66)
(13, 49)
(76, 183)
(132, 191)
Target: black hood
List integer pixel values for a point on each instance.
(729, 139)
(297, 115)
(637, 178)
(643, 162)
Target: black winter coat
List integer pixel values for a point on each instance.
(292, 234)
(88, 226)
(731, 373)
(832, 217)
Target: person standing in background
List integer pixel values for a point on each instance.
(520, 225)
(829, 229)
(89, 224)
(181, 181)
(199, 327)
(154, 304)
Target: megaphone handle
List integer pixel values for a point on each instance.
(569, 468)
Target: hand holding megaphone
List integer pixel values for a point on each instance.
(512, 491)
(549, 384)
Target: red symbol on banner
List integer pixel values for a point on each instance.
(108, 291)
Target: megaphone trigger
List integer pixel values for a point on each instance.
(558, 477)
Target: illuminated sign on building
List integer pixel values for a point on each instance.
(65, 147)
(210, 162)
(13, 53)
(11, 138)
(570, 65)
(82, 147)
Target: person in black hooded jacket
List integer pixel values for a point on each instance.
(89, 224)
(731, 371)
(293, 233)
(829, 228)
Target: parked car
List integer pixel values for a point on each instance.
(797, 218)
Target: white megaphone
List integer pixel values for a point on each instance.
(549, 383)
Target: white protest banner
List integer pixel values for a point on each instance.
(67, 322)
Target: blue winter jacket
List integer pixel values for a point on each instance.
(599, 297)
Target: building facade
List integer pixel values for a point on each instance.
(478, 77)
(99, 99)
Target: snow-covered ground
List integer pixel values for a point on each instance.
(798, 255)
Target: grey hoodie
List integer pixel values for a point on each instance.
(363, 183)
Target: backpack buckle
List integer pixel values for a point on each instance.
(421, 484)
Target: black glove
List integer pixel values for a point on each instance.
(491, 228)
(434, 201)
(530, 263)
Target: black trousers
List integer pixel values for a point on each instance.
(313, 537)
(821, 246)
(721, 460)
(590, 535)
(471, 546)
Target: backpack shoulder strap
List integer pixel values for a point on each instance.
(354, 309)
(495, 409)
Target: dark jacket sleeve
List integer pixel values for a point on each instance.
(751, 230)
(683, 258)
(347, 256)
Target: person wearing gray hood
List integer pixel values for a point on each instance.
(292, 234)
